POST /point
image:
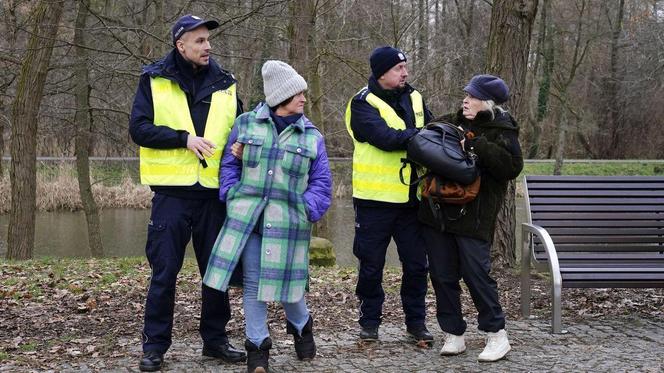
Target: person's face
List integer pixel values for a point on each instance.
(472, 106)
(295, 106)
(195, 47)
(395, 77)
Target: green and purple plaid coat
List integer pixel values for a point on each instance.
(273, 181)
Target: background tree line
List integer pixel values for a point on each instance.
(586, 75)
(594, 66)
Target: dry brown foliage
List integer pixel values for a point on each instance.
(60, 192)
(68, 311)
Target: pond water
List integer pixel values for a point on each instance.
(63, 234)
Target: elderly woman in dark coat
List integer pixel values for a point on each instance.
(462, 248)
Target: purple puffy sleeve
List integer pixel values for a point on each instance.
(318, 195)
(231, 167)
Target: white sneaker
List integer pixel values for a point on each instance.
(497, 346)
(454, 344)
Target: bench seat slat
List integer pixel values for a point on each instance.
(578, 230)
(603, 259)
(617, 284)
(574, 215)
(588, 180)
(608, 239)
(599, 208)
(604, 189)
(603, 248)
(553, 224)
(645, 276)
(633, 200)
(607, 256)
(635, 268)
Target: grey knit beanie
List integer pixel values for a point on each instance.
(280, 82)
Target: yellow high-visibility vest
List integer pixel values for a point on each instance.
(375, 171)
(180, 166)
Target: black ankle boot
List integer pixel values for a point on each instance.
(257, 357)
(305, 346)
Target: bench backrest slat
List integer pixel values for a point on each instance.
(598, 214)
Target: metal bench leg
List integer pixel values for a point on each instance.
(556, 290)
(525, 275)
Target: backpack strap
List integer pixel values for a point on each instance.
(404, 163)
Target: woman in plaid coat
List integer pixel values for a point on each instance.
(281, 185)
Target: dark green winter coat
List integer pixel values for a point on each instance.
(496, 144)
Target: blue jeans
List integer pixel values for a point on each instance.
(255, 311)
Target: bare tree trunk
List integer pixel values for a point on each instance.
(614, 122)
(299, 31)
(466, 33)
(560, 146)
(509, 44)
(545, 83)
(305, 58)
(83, 119)
(9, 9)
(423, 34)
(304, 54)
(25, 110)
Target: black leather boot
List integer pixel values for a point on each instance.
(226, 352)
(257, 357)
(151, 361)
(305, 346)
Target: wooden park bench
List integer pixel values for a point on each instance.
(592, 232)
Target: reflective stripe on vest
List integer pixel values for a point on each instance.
(375, 171)
(180, 166)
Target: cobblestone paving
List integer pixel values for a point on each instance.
(620, 345)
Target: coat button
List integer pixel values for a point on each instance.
(267, 251)
(269, 172)
(268, 225)
(250, 141)
(265, 198)
(299, 150)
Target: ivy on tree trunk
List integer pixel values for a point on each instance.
(25, 110)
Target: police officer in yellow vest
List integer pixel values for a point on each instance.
(381, 118)
(183, 111)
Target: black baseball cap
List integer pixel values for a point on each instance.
(190, 22)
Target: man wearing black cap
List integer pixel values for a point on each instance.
(381, 118)
(183, 111)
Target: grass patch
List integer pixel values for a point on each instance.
(597, 168)
(108, 278)
(4, 356)
(30, 346)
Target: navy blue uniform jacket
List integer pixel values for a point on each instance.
(198, 87)
(368, 126)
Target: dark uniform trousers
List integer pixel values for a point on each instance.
(451, 258)
(374, 226)
(173, 222)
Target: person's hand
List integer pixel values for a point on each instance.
(237, 149)
(200, 146)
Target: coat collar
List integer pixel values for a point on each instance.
(167, 67)
(263, 113)
(502, 120)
